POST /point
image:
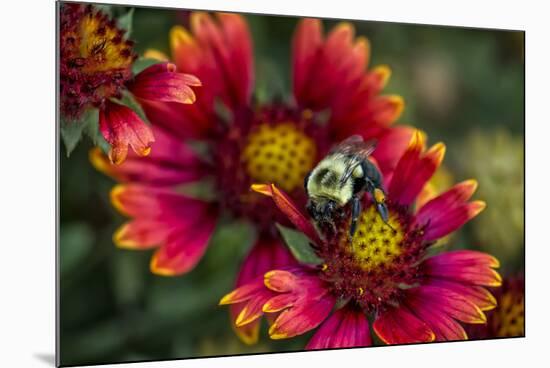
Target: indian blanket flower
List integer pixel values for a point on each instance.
(96, 61)
(508, 318)
(242, 143)
(386, 274)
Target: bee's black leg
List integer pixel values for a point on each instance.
(383, 211)
(380, 206)
(355, 212)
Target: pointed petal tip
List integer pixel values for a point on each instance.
(179, 36)
(145, 152)
(437, 151)
(274, 334)
(475, 208)
(160, 270)
(384, 71)
(345, 26)
(227, 298)
(418, 140)
(155, 55)
(115, 194)
(265, 189)
(97, 159)
(471, 184)
(241, 320)
(399, 104)
(118, 155)
(120, 242)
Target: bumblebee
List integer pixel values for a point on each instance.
(343, 177)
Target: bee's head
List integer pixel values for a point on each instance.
(324, 209)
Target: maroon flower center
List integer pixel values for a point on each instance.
(95, 59)
(378, 263)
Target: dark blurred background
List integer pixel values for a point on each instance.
(462, 86)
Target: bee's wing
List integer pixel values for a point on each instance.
(355, 146)
(357, 151)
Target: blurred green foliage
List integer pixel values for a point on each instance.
(459, 84)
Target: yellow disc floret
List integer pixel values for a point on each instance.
(375, 243)
(280, 154)
(102, 43)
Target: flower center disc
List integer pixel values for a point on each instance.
(378, 263)
(96, 59)
(102, 45)
(279, 154)
(375, 243)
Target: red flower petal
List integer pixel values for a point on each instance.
(312, 302)
(392, 143)
(246, 308)
(345, 328)
(475, 294)
(252, 311)
(249, 333)
(241, 59)
(120, 126)
(399, 326)
(305, 46)
(184, 121)
(339, 59)
(141, 234)
(449, 211)
(183, 249)
(144, 201)
(183, 225)
(161, 82)
(414, 169)
(450, 303)
(219, 54)
(444, 327)
(243, 293)
(279, 302)
(306, 314)
(285, 204)
(464, 266)
(170, 163)
(267, 254)
(464, 258)
(281, 281)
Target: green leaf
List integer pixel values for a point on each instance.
(72, 130)
(92, 131)
(107, 9)
(125, 21)
(142, 63)
(299, 246)
(129, 101)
